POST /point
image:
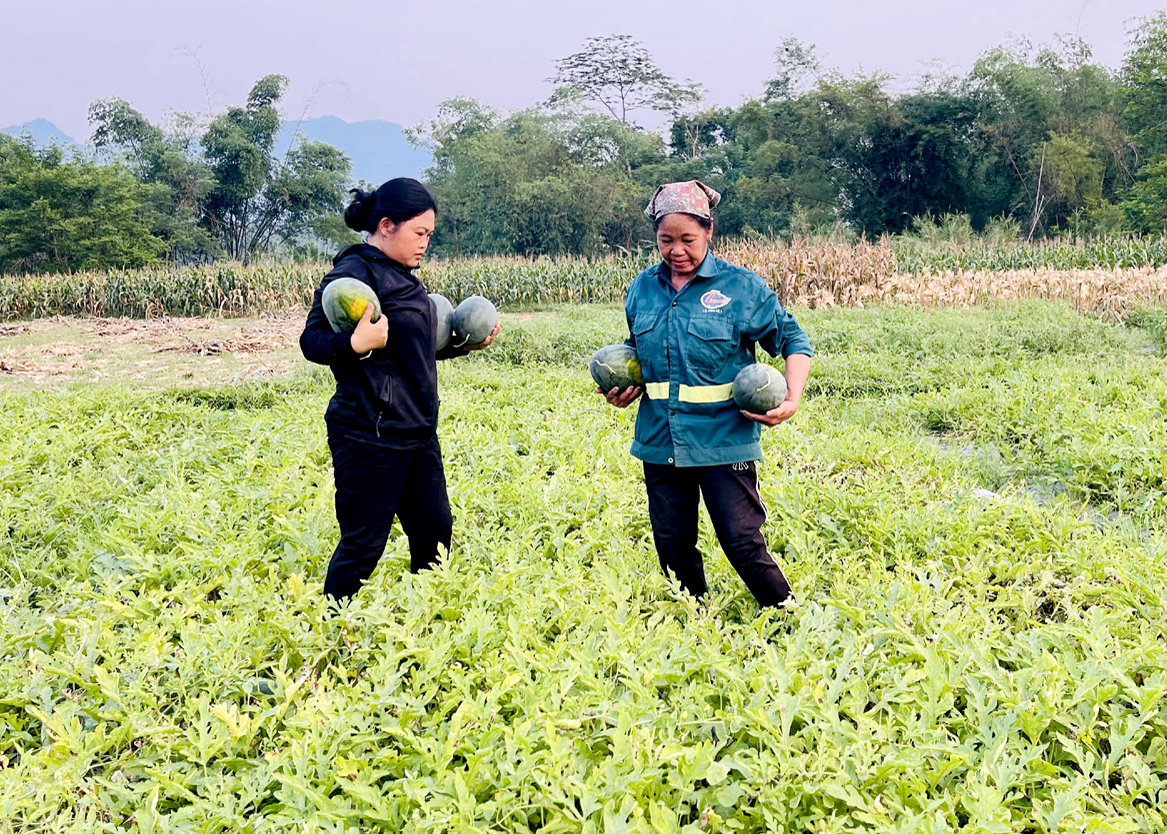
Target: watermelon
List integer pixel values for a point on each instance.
(445, 312)
(759, 388)
(473, 321)
(616, 366)
(344, 301)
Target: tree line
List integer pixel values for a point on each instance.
(1039, 141)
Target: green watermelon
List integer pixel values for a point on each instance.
(445, 312)
(759, 388)
(616, 366)
(473, 321)
(344, 301)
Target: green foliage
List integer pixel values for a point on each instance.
(1072, 175)
(542, 181)
(257, 198)
(1145, 208)
(958, 660)
(1032, 136)
(1145, 85)
(1050, 127)
(794, 61)
(774, 168)
(1045, 140)
(168, 162)
(222, 188)
(61, 215)
(898, 158)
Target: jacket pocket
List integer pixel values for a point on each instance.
(642, 325)
(650, 345)
(709, 344)
(380, 383)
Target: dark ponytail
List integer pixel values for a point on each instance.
(400, 200)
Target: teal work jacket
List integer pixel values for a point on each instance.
(691, 345)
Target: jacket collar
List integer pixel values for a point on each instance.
(709, 267)
(369, 253)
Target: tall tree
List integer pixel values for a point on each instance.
(1034, 103)
(225, 183)
(794, 62)
(619, 74)
(1144, 99)
(170, 163)
(258, 198)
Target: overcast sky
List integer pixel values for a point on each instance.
(396, 61)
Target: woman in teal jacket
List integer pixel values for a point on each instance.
(694, 321)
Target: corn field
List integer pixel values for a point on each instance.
(915, 256)
(1105, 277)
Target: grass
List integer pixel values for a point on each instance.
(969, 504)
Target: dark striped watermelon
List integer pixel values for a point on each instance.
(616, 366)
(759, 388)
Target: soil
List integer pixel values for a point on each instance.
(59, 352)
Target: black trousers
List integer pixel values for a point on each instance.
(732, 498)
(374, 484)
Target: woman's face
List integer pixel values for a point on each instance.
(683, 242)
(407, 241)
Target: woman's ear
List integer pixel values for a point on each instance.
(385, 227)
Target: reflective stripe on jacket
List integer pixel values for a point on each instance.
(691, 345)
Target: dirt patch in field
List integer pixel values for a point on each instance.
(35, 371)
(251, 340)
(154, 353)
(65, 351)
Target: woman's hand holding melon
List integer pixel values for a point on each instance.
(797, 370)
(774, 416)
(370, 335)
(621, 399)
(485, 343)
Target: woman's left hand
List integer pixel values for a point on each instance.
(775, 415)
(797, 370)
(486, 342)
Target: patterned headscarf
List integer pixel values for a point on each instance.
(692, 197)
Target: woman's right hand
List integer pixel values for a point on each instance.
(614, 397)
(370, 335)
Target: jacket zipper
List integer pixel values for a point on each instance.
(378, 424)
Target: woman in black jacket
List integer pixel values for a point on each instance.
(382, 421)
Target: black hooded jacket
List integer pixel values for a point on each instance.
(388, 396)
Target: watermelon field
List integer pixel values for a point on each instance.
(970, 505)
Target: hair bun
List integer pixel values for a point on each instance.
(360, 210)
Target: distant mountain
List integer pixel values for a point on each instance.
(378, 149)
(43, 132)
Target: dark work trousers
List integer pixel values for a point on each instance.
(373, 484)
(731, 496)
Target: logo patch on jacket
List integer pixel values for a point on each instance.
(714, 300)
